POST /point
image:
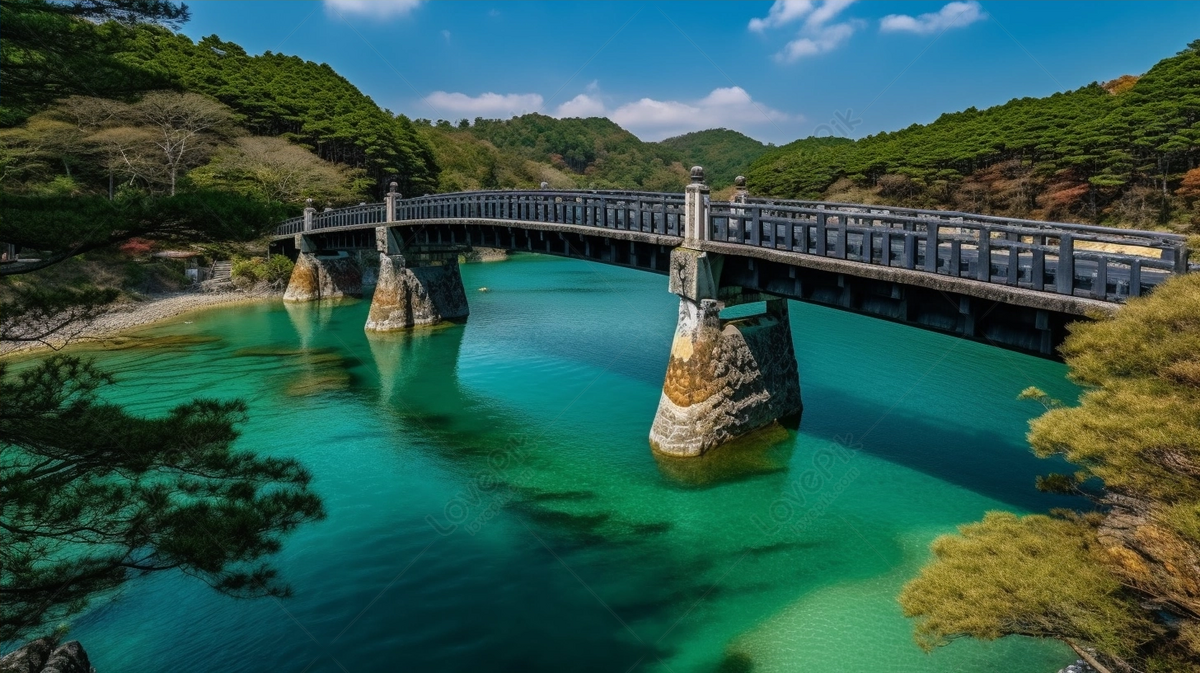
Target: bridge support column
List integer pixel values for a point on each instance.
(725, 378)
(418, 285)
(317, 277)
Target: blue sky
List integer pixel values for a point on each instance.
(774, 70)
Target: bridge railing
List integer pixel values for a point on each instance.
(653, 213)
(1103, 263)
(1073, 259)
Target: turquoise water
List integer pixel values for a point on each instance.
(494, 505)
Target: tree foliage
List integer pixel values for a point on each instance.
(63, 228)
(723, 153)
(273, 169)
(1044, 577)
(523, 151)
(288, 97)
(1127, 579)
(52, 50)
(93, 495)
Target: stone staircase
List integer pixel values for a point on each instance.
(222, 270)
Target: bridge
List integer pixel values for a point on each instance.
(1008, 282)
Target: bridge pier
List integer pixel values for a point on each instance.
(417, 285)
(725, 377)
(317, 277)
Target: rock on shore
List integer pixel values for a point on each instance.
(42, 656)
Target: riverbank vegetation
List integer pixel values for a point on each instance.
(1123, 580)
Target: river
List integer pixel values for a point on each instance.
(493, 502)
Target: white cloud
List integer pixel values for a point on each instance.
(782, 12)
(951, 15)
(826, 39)
(490, 105)
(652, 119)
(376, 9)
(582, 105)
(817, 35)
(826, 11)
(446, 34)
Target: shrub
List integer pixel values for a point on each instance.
(274, 269)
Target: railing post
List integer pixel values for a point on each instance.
(984, 262)
(309, 211)
(931, 247)
(696, 208)
(390, 199)
(1064, 276)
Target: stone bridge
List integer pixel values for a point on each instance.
(1008, 282)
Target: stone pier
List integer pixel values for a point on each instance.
(324, 277)
(725, 377)
(417, 285)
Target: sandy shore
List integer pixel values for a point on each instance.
(156, 308)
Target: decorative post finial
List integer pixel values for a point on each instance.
(544, 186)
(739, 189)
(393, 186)
(697, 222)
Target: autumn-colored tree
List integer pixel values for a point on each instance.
(1123, 580)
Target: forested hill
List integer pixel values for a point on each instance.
(723, 153)
(1125, 153)
(580, 153)
(286, 96)
(566, 153)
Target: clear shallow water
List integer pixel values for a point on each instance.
(493, 502)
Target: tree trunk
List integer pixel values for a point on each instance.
(1091, 661)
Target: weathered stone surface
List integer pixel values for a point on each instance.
(41, 656)
(29, 658)
(694, 274)
(406, 297)
(725, 378)
(315, 278)
(69, 658)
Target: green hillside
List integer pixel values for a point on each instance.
(723, 153)
(288, 97)
(567, 153)
(1117, 153)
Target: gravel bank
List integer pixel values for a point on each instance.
(156, 308)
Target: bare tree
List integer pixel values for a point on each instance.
(185, 125)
